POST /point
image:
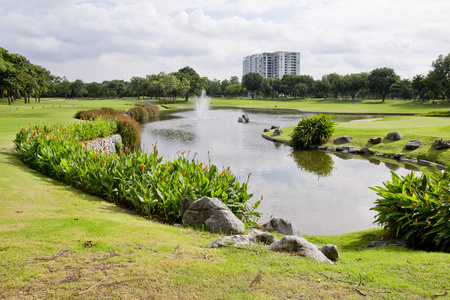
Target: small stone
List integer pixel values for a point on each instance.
(343, 140)
(353, 150)
(398, 155)
(413, 145)
(366, 150)
(331, 149)
(375, 140)
(277, 132)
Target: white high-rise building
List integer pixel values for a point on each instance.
(272, 65)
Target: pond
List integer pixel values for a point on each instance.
(319, 192)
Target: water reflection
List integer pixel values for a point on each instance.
(316, 162)
(337, 203)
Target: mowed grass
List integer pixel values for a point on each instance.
(425, 129)
(56, 242)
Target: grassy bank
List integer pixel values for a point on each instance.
(425, 129)
(56, 242)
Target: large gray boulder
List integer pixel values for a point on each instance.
(394, 135)
(282, 226)
(299, 245)
(237, 241)
(212, 214)
(343, 140)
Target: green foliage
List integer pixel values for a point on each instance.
(130, 131)
(314, 130)
(127, 125)
(445, 114)
(153, 187)
(416, 208)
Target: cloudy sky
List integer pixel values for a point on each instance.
(96, 40)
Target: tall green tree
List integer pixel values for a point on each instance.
(441, 74)
(380, 81)
(195, 81)
(355, 83)
(252, 82)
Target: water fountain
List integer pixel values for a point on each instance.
(202, 104)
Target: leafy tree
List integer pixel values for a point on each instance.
(234, 80)
(233, 90)
(441, 74)
(93, 89)
(322, 87)
(380, 81)
(252, 82)
(137, 86)
(288, 83)
(195, 81)
(355, 83)
(78, 88)
(63, 86)
(336, 83)
(419, 86)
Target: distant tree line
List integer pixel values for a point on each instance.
(380, 83)
(20, 78)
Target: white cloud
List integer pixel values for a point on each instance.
(122, 38)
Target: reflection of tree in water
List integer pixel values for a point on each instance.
(313, 161)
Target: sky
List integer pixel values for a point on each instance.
(97, 40)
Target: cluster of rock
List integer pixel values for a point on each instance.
(276, 132)
(292, 242)
(396, 136)
(244, 119)
(104, 145)
(214, 216)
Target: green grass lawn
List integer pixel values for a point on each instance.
(425, 129)
(56, 242)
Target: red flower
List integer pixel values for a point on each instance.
(103, 161)
(142, 167)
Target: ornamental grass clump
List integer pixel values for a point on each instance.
(152, 187)
(313, 130)
(417, 209)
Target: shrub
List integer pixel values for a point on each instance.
(138, 113)
(130, 131)
(416, 208)
(152, 110)
(314, 130)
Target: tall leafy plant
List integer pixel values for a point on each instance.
(416, 208)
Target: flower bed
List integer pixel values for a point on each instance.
(152, 186)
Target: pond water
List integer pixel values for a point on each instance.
(319, 192)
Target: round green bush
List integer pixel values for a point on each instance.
(313, 130)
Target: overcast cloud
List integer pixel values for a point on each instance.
(96, 40)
